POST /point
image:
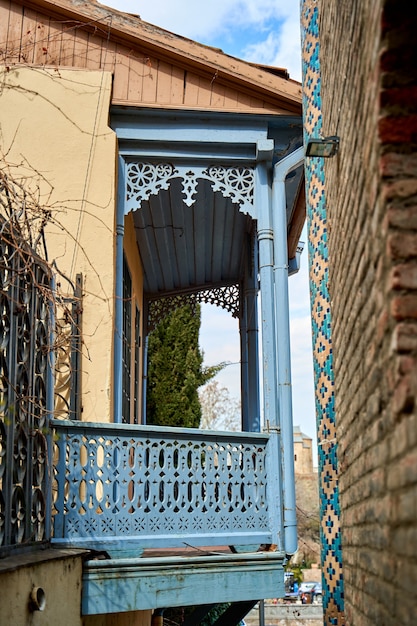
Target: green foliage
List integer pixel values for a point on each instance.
(177, 615)
(175, 370)
(214, 614)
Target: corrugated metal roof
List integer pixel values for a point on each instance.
(189, 248)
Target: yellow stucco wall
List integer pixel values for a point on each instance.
(54, 131)
(60, 580)
(58, 573)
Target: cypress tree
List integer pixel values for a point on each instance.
(175, 370)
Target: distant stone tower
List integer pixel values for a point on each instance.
(303, 452)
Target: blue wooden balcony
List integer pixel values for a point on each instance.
(166, 504)
(125, 489)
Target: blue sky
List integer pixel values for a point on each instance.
(263, 31)
(266, 32)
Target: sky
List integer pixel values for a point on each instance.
(262, 31)
(219, 339)
(265, 32)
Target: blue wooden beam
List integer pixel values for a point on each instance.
(204, 130)
(116, 586)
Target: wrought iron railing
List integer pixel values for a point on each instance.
(24, 364)
(160, 487)
(30, 337)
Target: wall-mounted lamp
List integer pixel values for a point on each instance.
(324, 147)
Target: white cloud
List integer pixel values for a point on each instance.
(273, 26)
(204, 19)
(281, 47)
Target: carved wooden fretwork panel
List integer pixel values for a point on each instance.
(162, 487)
(225, 297)
(146, 179)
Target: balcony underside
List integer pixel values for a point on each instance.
(119, 585)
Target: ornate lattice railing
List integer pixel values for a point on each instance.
(160, 487)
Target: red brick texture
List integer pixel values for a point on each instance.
(368, 56)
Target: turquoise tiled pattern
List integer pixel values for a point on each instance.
(331, 547)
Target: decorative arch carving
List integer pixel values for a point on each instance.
(144, 179)
(227, 297)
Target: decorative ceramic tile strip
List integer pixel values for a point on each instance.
(333, 600)
(164, 487)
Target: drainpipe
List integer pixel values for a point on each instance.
(269, 364)
(244, 366)
(266, 258)
(253, 361)
(279, 217)
(118, 305)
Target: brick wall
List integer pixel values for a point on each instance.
(369, 90)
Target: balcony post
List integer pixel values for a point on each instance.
(244, 364)
(251, 298)
(118, 304)
(145, 363)
(248, 325)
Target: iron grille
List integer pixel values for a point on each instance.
(25, 379)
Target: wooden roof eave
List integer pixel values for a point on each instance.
(209, 62)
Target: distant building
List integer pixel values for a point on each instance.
(303, 452)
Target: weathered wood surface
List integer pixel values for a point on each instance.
(151, 67)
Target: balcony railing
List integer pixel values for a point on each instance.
(153, 487)
(25, 296)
